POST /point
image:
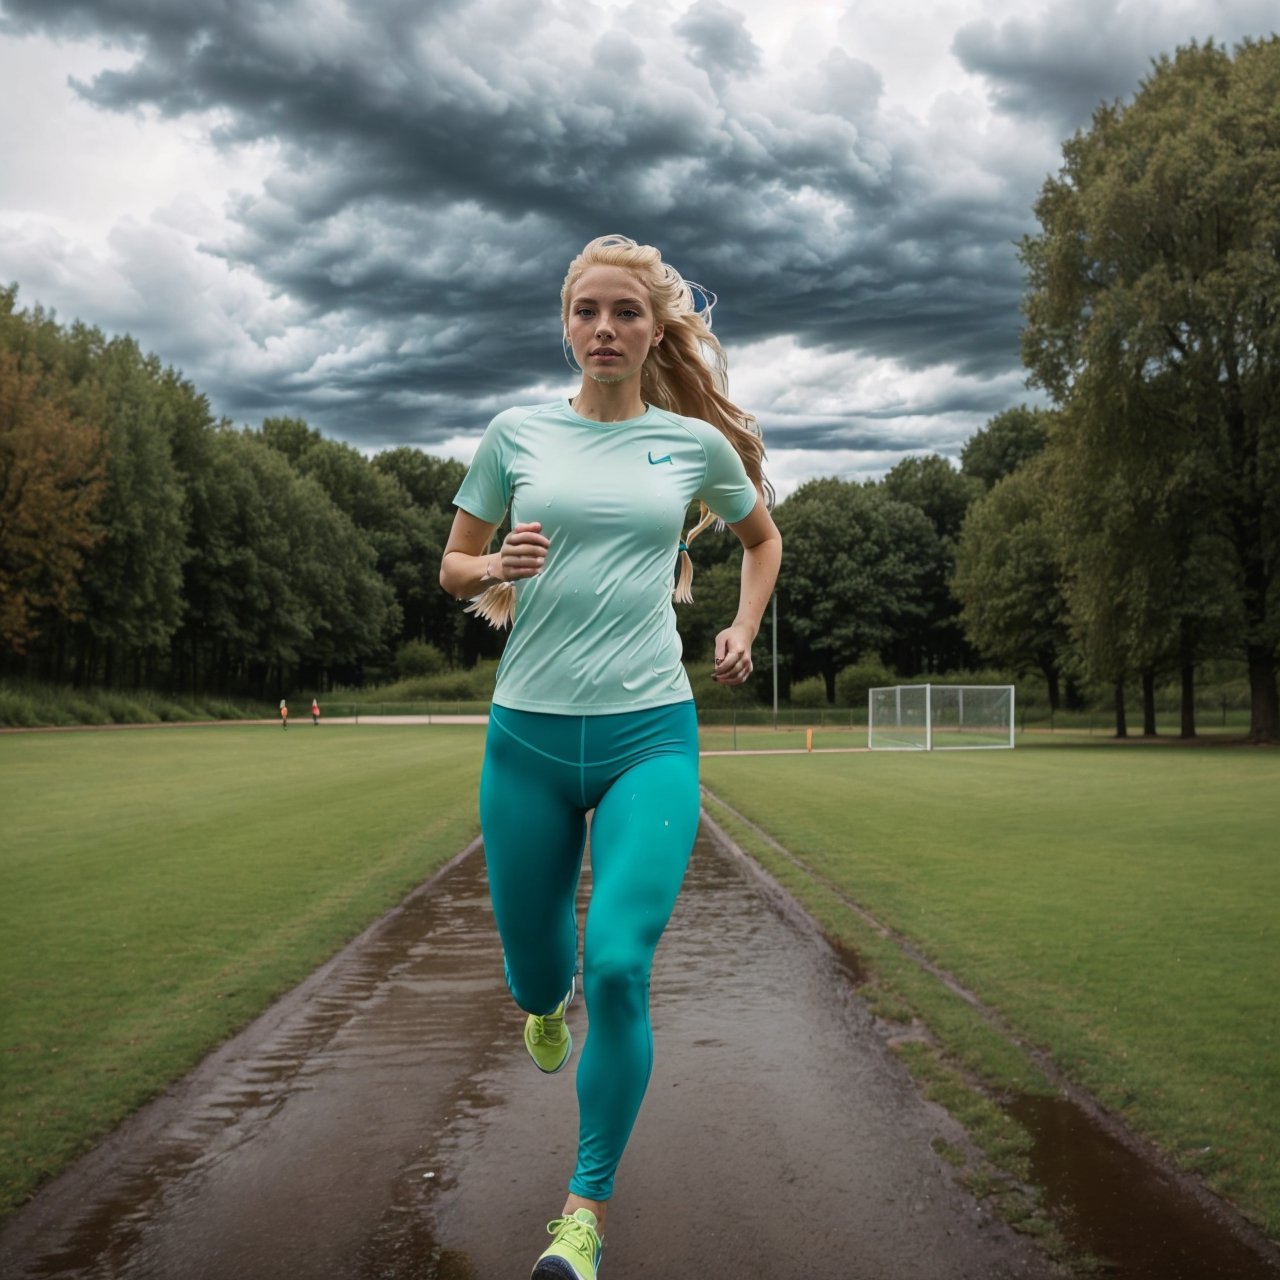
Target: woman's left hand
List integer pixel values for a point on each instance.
(733, 655)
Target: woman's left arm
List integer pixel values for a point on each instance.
(761, 556)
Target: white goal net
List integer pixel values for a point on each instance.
(940, 717)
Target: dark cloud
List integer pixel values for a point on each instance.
(718, 38)
(1059, 66)
(440, 164)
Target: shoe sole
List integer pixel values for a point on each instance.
(554, 1269)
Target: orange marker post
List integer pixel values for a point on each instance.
(808, 739)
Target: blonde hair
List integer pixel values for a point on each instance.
(685, 373)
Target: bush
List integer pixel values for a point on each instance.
(471, 684)
(17, 709)
(417, 658)
(121, 709)
(78, 710)
(853, 682)
(809, 693)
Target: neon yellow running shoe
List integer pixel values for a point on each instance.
(575, 1249)
(547, 1038)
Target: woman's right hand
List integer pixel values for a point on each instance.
(523, 553)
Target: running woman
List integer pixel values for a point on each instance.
(592, 709)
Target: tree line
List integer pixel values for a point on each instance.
(1128, 530)
(143, 542)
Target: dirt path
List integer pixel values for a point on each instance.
(382, 1122)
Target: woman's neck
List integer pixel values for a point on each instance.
(609, 401)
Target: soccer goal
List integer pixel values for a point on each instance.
(940, 717)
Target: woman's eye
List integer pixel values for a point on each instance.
(628, 315)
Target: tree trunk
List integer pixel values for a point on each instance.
(1051, 680)
(1149, 703)
(829, 679)
(1264, 705)
(1122, 724)
(1188, 729)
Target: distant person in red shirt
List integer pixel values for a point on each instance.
(315, 711)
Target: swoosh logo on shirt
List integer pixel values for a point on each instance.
(653, 462)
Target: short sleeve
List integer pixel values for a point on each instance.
(726, 489)
(485, 491)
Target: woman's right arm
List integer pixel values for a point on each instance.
(468, 566)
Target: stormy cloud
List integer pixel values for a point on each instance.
(422, 173)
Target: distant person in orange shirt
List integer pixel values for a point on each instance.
(284, 714)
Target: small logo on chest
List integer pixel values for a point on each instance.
(653, 462)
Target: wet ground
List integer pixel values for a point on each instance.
(383, 1123)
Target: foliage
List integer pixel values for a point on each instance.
(51, 483)
(455, 684)
(1154, 317)
(854, 682)
(131, 588)
(932, 485)
(417, 658)
(144, 544)
(809, 693)
(1008, 577)
(1004, 444)
(854, 573)
(935, 640)
(26, 704)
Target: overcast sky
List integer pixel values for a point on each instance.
(359, 212)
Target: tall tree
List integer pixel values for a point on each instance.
(942, 494)
(282, 588)
(1004, 444)
(854, 575)
(51, 479)
(132, 586)
(429, 614)
(1147, 580)
(1009, 580)
(1154, 308)
(430, 482)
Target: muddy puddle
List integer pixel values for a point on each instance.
(1135, 1219)
(383, 1123)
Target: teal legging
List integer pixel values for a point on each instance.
(542, 773)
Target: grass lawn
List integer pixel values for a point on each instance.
(158, 888)
(1120, 906)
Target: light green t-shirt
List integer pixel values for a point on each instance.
(595, 631)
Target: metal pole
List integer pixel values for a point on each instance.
(775, 663)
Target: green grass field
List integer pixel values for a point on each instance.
(1120, 906)
(159, 888)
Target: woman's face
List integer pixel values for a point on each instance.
(610, 325)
